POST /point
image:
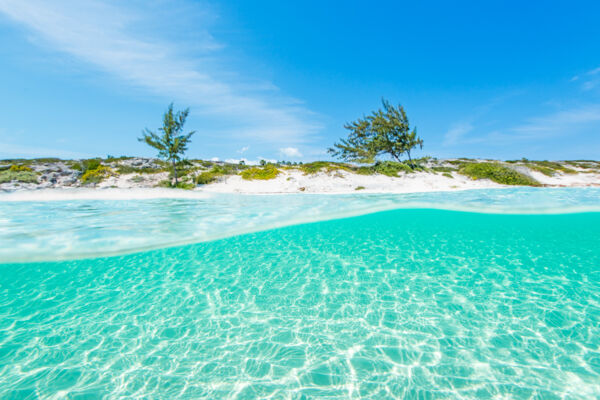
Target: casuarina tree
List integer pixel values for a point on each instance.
(383, 132)
(170, 142)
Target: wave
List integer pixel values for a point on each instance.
(122, 222)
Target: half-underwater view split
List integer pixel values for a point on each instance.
(210, 199)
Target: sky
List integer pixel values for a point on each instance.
(279, 79)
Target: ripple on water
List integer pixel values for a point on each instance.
(405, 303)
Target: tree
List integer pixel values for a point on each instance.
(385, 131)
(171, 144)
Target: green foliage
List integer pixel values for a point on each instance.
(97, 174)
(166, 183)
(544, 170)
(86, 165)
(206, 177)
(128, 169)
(447, 175)
(45, 160)
(388, 168)
(359, 188)
(216, 171)
(317, 166)
(20, 168)
(555, 166)
(18, 175)
(443, 169)
(497, 173)
(171, 144)
(391, 168)
(267, 172)
(110, 159)
(385, 131)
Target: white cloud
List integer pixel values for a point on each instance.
(290, 152)
(106, 34)
(457, 132)
(590, 79)
(564, 121)
(215, 159)
(243, 149)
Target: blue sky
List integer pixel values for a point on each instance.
(278, 79)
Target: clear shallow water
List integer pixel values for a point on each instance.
(54, 230)
(408, 303)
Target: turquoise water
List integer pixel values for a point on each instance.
(406, 303)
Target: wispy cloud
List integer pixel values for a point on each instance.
(567, 123)
(560, 122)
(589, 80)
(290, 152)
(456, 133)
(106, 34)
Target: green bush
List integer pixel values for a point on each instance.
(317, 166)
(265, 173)
(447, 175)
(364, 170)
(97, 174)
(497, 173)
(166, 183)
(20, 168)
(128, 169)
(544, 170)
(24, 176)
(443, 169)
(555, 166)
(216, 171)
(359, 188)
(206, 177)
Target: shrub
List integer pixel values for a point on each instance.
(97, 175)
(497, 173)
(317, 166)
(265, 173)
(206, 178)
(128, 169)
(359, 188)
(216, 171)
(20, 168)
(555, 166)
(544, 170)
(166, 183)
(46, 160)
(24, 176)
(447, 175)
(443, 169)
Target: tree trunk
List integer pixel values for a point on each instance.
(174, 171)
(410, 159)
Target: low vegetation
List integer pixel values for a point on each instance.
(320, 166)
(18, 173)
(496, 172)
(384, 132)
(97, 175)
(128, 169)
(218, 171)
(267, 172)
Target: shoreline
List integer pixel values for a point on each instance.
(140, 178)
(125, 194)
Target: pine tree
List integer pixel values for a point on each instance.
(171, 144)
(385, 131)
